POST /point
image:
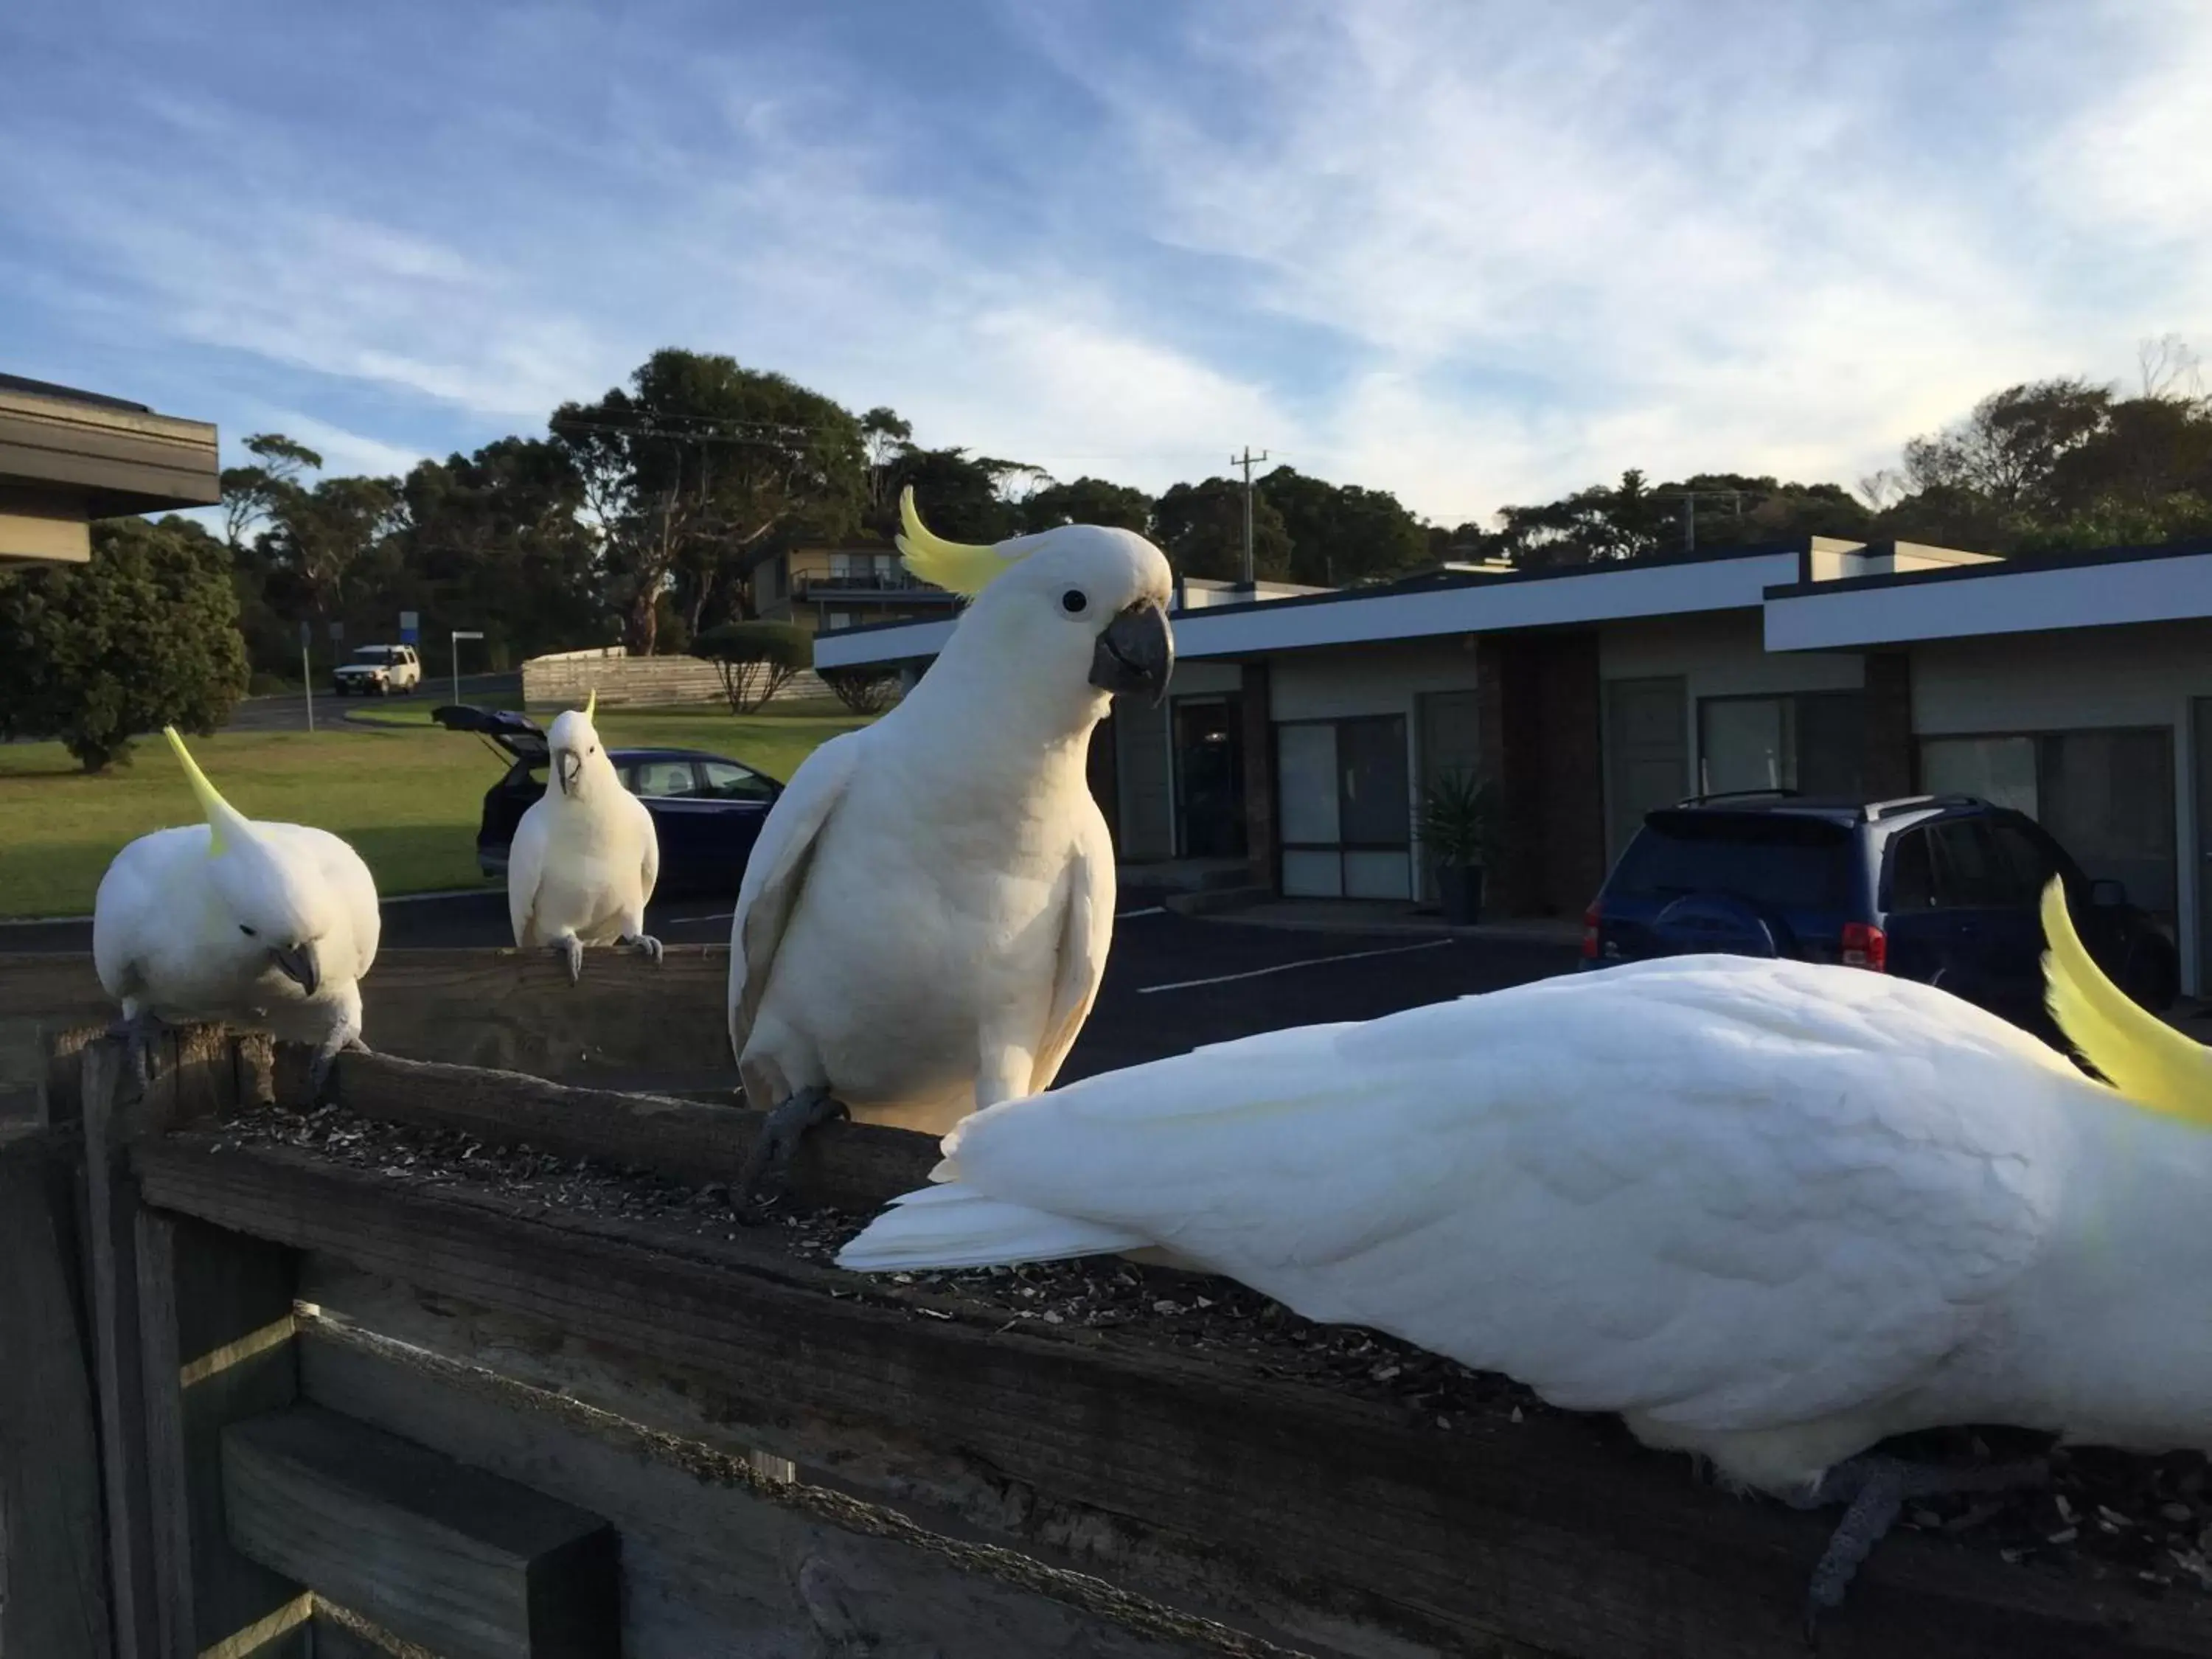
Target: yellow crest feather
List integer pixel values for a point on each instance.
(2155, 1065)
(212, 804)
(592, 704)
(957, 567)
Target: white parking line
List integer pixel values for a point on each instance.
(1149, 910)
(1286, 967)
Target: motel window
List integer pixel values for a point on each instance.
(1812, 742)
(1346, 808)
(2106, 796)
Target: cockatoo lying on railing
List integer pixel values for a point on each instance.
(266, 926)
(1772, 1213)
(924, 920)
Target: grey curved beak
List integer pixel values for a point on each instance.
(297, 964)
(1136, 653)
(568, 767)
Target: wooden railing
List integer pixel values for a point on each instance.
(481, 1363)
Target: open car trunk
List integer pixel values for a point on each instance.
(518, 734)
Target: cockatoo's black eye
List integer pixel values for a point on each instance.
(1075, 602)
(244, 929)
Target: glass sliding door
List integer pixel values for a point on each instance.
(1346, 808)
(1812, 742)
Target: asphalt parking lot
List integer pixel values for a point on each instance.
(1174, 982)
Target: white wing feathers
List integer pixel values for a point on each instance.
(1086, 936)
(525, 868)
(1584, 1183)
(776, 874)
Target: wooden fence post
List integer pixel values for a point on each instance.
(53, 1592)
(192, 1328)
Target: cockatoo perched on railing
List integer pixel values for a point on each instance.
(267, 926)
(586, 855)
(1772, 1213)
(922, 926)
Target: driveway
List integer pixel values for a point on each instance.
(289, 712)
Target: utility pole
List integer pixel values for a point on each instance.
(1247, 460)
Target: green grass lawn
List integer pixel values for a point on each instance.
(406, 794)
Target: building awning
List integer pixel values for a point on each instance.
(68, 457)
(2109, 588)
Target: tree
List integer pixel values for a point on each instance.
(250, 493)
(686, 475)
(960, 496)
(756, 659)
(1201, 527)
(1343, 534)
(318, 537)
(1087, 500)
(885, 437)
(2007, 450)
(143, 636)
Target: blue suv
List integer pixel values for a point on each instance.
(1941, 889)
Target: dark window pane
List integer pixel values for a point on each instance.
(1969, 871)
(726, 781)
(1780, 862)
(1911, 873)
(1377, 797)
(2026, 857)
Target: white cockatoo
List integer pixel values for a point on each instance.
(586, 855)
(922, 926)
(268, 925)
(1772, 1213)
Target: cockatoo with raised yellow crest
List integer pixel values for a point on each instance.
(923, 923)
(586, 856)
(1772, 1213)
(237, 920)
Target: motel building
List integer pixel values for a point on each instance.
(1301, 726)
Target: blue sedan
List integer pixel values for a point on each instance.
(707, 809)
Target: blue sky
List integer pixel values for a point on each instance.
(1473, 253)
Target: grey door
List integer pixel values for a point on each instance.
(2201, 762)
(1647, 752)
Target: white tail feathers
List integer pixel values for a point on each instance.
(956, 1226)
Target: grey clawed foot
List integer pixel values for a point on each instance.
(354, 1045)
(140, 1032)
(571, 952)
(645, 945)
(778, 1139)
(1874, 1489)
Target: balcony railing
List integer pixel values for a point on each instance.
(899, 586)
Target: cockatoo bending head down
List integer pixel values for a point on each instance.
(1076, 614)
(283, 910)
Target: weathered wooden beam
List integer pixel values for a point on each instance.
(846, 1164)
(53, 1595)
(628, 1021)
(1543, 1533)
(718, 1557)
(466, 1563)
(216, 1332)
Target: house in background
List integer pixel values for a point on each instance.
(825, 589)
(68, 457)
(1299, 733)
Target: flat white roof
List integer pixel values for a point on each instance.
(2105, 590)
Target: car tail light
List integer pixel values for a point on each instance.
(1865, 945)
(1591, 920)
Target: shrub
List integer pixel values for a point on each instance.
(756, 659)
(863, 691)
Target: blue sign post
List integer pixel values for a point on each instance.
(410, 626)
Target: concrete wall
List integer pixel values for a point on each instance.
(637, 681)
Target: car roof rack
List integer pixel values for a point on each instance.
(1883, 809)
(1738, 794)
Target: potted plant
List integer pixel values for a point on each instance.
(1459, 832)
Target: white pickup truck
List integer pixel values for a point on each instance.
(377, 670)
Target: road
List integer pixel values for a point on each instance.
(1173, 983)
(289, 712)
